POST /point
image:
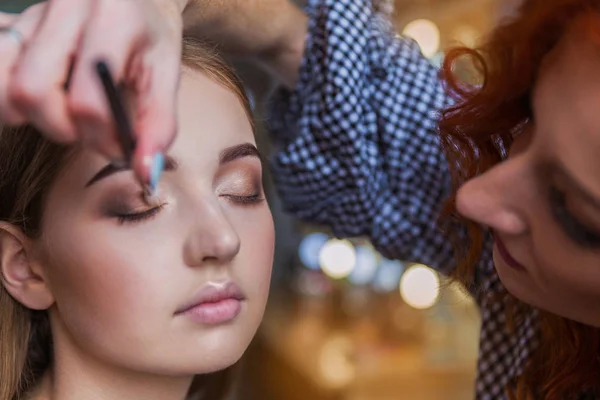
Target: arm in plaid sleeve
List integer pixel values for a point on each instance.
(358, 149)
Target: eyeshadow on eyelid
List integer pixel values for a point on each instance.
(240, 186)
(246, 174)
(120, 201)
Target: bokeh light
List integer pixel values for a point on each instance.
(337, 258)
(387, 276)
(335, 361)
(309, 249)
(420, 287)
(466, 34)
(426, 34)
(366, 266)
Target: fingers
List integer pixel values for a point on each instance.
(114, 37)
(10, 49)
(11, 45)
(156, 121)
(38, 92)
(7, 19)
(141, 43)
(143, 49)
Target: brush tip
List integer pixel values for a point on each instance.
(151, 197)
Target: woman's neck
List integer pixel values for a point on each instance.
(76, 376)
(90, 385)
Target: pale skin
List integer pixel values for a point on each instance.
(512, 198)
(113, 286)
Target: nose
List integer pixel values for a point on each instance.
(498, 198)
(212, 237)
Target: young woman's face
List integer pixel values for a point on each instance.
(543, 203)
(175, 288)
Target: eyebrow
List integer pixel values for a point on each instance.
(236, 152)
(228, 155)
(114, 168)
(578, 186)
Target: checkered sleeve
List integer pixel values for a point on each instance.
(358, 149)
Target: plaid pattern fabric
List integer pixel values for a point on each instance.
(358, 151)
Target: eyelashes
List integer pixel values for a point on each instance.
(572, 227)
(245, 200)
(148, 214)
(136, 217)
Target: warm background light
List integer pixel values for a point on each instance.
(426, 34)
(337, 258)
(366, 266)
(335, 361)
(420, 287)
(388, 275)
(309, 249)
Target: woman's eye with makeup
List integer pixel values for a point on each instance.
(137, 217)
(575, 229)
(245, 199)
(133, 210)
(241, 188)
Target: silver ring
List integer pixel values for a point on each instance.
(13, 33)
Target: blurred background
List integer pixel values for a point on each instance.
(344, 323)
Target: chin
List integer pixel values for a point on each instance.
(517, 283)
(195, 364)
(210, 354)
(525, 289)
(219, 360)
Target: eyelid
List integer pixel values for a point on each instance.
(239, 181)
(138, 217)
(245, 200)
(128, 201)
(575, 229)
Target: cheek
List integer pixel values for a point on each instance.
(561, 269)
(103, 279)
(255, 260)
(569, 289)
(564, 272)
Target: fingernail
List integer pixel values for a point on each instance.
(156, 169)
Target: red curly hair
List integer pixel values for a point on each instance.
(475, 133)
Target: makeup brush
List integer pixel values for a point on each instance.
(122, 122)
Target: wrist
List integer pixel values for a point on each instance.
(283, 56)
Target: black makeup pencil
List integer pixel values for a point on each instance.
(122, 121)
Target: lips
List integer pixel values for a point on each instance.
(213, 304)
(506, 256)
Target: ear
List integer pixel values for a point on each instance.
(21, 278)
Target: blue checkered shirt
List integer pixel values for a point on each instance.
(358, 152)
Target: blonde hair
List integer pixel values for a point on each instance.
(29, 165)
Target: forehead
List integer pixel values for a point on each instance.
(210, 118)
(573, 68)
(566, 102)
